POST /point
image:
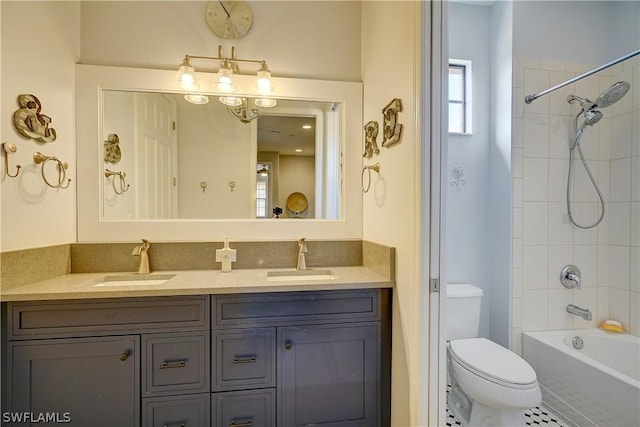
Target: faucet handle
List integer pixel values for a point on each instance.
(570, 277)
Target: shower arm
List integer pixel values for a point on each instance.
(530, 98)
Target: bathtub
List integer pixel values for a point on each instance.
(598, 385)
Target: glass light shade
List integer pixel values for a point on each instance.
(265, 102)
(197, 99)
(231, 101)
(186, 79)
(225, 82)
(264, 82)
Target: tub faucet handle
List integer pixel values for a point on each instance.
(570, 277)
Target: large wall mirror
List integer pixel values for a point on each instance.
(157, 163)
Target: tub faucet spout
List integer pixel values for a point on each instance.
(585, 313)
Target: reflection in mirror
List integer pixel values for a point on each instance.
(186, 160)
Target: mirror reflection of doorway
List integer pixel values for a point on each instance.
(263, 191)
(287, 147)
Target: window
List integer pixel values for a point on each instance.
(459, 96)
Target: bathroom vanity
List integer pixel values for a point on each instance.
(282, 357)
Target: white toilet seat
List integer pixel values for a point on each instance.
(493, 362)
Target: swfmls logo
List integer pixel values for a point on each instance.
(36, 417)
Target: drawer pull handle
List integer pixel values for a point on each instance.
(251, 358)
(175, 425)
(247, 422)
(169, 365)
(124, 356)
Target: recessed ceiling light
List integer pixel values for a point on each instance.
(306, 127)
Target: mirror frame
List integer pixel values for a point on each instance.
(91, 80)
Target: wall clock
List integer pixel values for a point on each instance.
(229, 19)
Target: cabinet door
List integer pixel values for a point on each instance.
(329, 375)
(89, 381)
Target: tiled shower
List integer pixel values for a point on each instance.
(543, 239)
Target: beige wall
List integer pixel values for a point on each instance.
(389, 60)
(40, 45)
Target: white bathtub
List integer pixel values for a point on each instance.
(598, 385)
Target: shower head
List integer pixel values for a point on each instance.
(591, 117)
(613, 94)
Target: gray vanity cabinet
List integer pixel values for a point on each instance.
(278, 359)
(329, 375)
(89, 381)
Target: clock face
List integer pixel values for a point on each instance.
(229, 19)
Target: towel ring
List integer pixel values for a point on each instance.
(124, 187)
(62, 167)
(375, 168)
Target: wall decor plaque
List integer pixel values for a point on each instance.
(30, 123)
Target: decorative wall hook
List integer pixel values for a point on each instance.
(9, 148)
(62, 167)
(30, 123)
(124, 187)
(375, 168)
(112, 153)
(391, 129)
(370, 135)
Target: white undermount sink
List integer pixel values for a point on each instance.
(133, 280)
(297, 275)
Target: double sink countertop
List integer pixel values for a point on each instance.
(195, 282)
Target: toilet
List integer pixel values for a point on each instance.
(490, 385)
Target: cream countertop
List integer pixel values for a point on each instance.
(192, 282)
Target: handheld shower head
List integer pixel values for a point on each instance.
(612, 95)
(591, 117)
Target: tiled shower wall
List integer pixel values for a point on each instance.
(543, 239)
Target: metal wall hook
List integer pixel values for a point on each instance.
(62, 167)
(375, 168)
(124, 187)
(9, 148)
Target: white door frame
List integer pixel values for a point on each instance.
(434, 167)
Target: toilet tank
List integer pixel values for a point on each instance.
(463, 311)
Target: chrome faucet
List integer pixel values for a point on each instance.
(142, 251)
(302, 250)
(585, 313)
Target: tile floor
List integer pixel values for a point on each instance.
(538, 416)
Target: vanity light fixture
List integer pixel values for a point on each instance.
(238, 106)
(186, 79)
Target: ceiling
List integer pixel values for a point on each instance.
(284, 134)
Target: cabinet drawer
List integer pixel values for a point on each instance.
(177, 411)
(299, 307)
(107, 316)
(255, 408)
(175, 363)
(244, 359)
